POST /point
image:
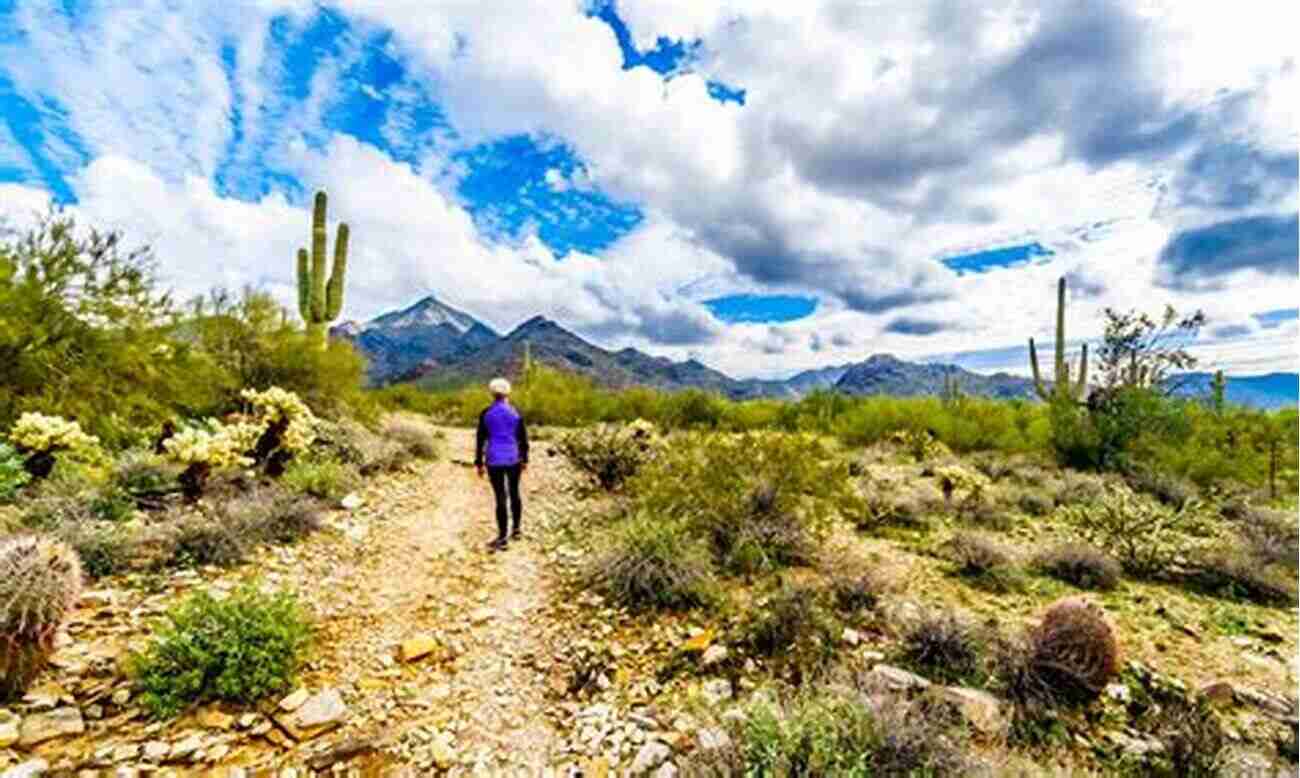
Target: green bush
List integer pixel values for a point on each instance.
(1145, 536)
(651, 563)
(140, 473)
(760, 500)
(239, 649)
(326, 479)
(195, 540)
(856, 585)
(104, 549)
(12, 474)
(607, 454)
(793, 624)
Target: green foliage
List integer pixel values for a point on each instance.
(327, 479)
(762, 501)
(238, 649)
(607, 454)
(104, 549)
(40, 581)
(1145, 536)
(13, 476)
(650, 563)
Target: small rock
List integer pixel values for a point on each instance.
(30, 769)
(980, 709)
(713, 739)
(649, 757)
(156, 750)
(97, 598)
(247, 720)
(1119, 692)
(851, 636)
(481, 615)
(217, 753)
(323, 711)
(416, 648)
(717, 690)
(666, 770)
(9, 728)
(342, 752)
(295, 700)
(1218, 692)
(351, 502)
(121, 697)
(216, 719)
(441, 751)
(895, 679)
(126, 752)
(40, 727)
(713, 655)
(186, 748)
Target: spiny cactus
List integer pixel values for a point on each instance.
(1074, 650)
(40, 581)
(1218, 388)
(320, 301)
(1063, 389)
(952, 392)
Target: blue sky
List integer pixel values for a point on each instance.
(762, 192)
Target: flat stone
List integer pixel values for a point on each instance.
(341, 753)
(713, 739)
(184, 749)
(895, 679)
(666, 770)
(351, 502)
(649, 757)
(717, 690)
(442, 752)
(126, 752)
(416, 648)
(41, 727)
(156, 750)
(1219, 692)
(980, 709)
(481, 615)
(216, 719)
(9, 728)
(295, 700)
(29, 769)
(322, 712)
(851, 636)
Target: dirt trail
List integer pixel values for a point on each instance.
(423, 571)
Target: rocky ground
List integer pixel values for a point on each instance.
(433, 654)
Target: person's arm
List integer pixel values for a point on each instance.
(521, 435)
(480, 441)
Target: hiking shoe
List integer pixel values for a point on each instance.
(516, 535)
(497, 545)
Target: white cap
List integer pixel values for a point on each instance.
(499, 386)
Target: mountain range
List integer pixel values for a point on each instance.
(434, 344)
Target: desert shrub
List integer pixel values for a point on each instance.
(759, 499)
(40, 581)
(607, 454)
(1271, 537)
(112, 505)
(984, 559)
(792, 625)
(957, 482)
(652, 563)
(383, 456)
(326, 479)
(1080, 564)
(194, 540)
(103, 549)
(888, 504)
(416, 436)
(856, 585)
(1034, 503)
(51, 509)
(946, 646)
(1192, 737)
(238, 649)
(1068, 658)
(1167, 489)
(1145, 536)
(834, 731)
(1078, 488)
(13, 476)
(1228, 571)
(141, 474)
(271, 514)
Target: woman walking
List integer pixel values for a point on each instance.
(503, 440)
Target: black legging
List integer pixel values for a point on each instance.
(506, 478)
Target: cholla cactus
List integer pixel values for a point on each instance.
(39, 437)
(278, 407)
(920, 444)
(954, 479)
(203, 451)
(40, 581)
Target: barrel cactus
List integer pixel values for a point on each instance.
(40, 581)
(1074, 651)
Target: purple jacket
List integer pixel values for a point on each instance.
(501, 432)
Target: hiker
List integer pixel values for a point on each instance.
(504, 440)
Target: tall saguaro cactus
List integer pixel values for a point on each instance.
(1063, 388)
(319, 300)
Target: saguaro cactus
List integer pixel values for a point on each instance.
(1218, 390)
(320, 301)
(1063, 388)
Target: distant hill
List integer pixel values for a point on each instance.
(433, 344)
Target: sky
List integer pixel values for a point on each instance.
(765, 186)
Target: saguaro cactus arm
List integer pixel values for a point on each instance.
(334, 293)
(320, 300)
(1063, 388)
